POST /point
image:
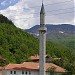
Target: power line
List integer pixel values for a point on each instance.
(58, 3)
(46, 15)
(49, 4)
(61, 13)
(49, 11)
(49, 15)
(52, 4)
(61, 9)
(57, 10)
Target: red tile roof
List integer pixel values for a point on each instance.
(33, 66)
(14, 66)
(35, 57)
(1, 68)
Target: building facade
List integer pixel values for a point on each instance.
(31, 68)
(25, 72)
(20, 72)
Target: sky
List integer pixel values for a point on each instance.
(25, 13)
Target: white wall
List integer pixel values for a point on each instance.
(19, 72)
(0, 72)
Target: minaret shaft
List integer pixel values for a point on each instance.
(42, 46)
(42, 19)
(42, 42)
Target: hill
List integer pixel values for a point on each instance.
(16, 46)
(4, 19)
(65, 28)
(62, 34)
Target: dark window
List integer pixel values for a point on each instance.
(29, 73)
(26, 72)
(22, 72)
(14, 72)
(10, 72)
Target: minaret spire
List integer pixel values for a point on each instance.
(42, 15)
(42, 41)
(42, 9)
(42, 1)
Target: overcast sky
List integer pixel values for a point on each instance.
(25, 13)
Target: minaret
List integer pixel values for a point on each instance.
(42, 41)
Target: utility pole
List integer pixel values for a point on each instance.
(42, 42)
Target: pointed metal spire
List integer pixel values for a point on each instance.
(42, 9)
(42, 1)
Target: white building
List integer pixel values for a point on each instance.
(1, 70)
(30, 68)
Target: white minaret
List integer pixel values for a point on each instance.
(42, 41)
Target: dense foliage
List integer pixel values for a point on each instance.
(61, 34)
(4, 19)
(17, 45)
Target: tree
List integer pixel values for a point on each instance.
(51, 70)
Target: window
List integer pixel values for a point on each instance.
(10, 72)
(26, 72)
(29, 73)
(14, 72)
(22, 72)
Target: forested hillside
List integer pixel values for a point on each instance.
(17, 45)
(63, 34)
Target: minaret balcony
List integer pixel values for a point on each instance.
(42, 29)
